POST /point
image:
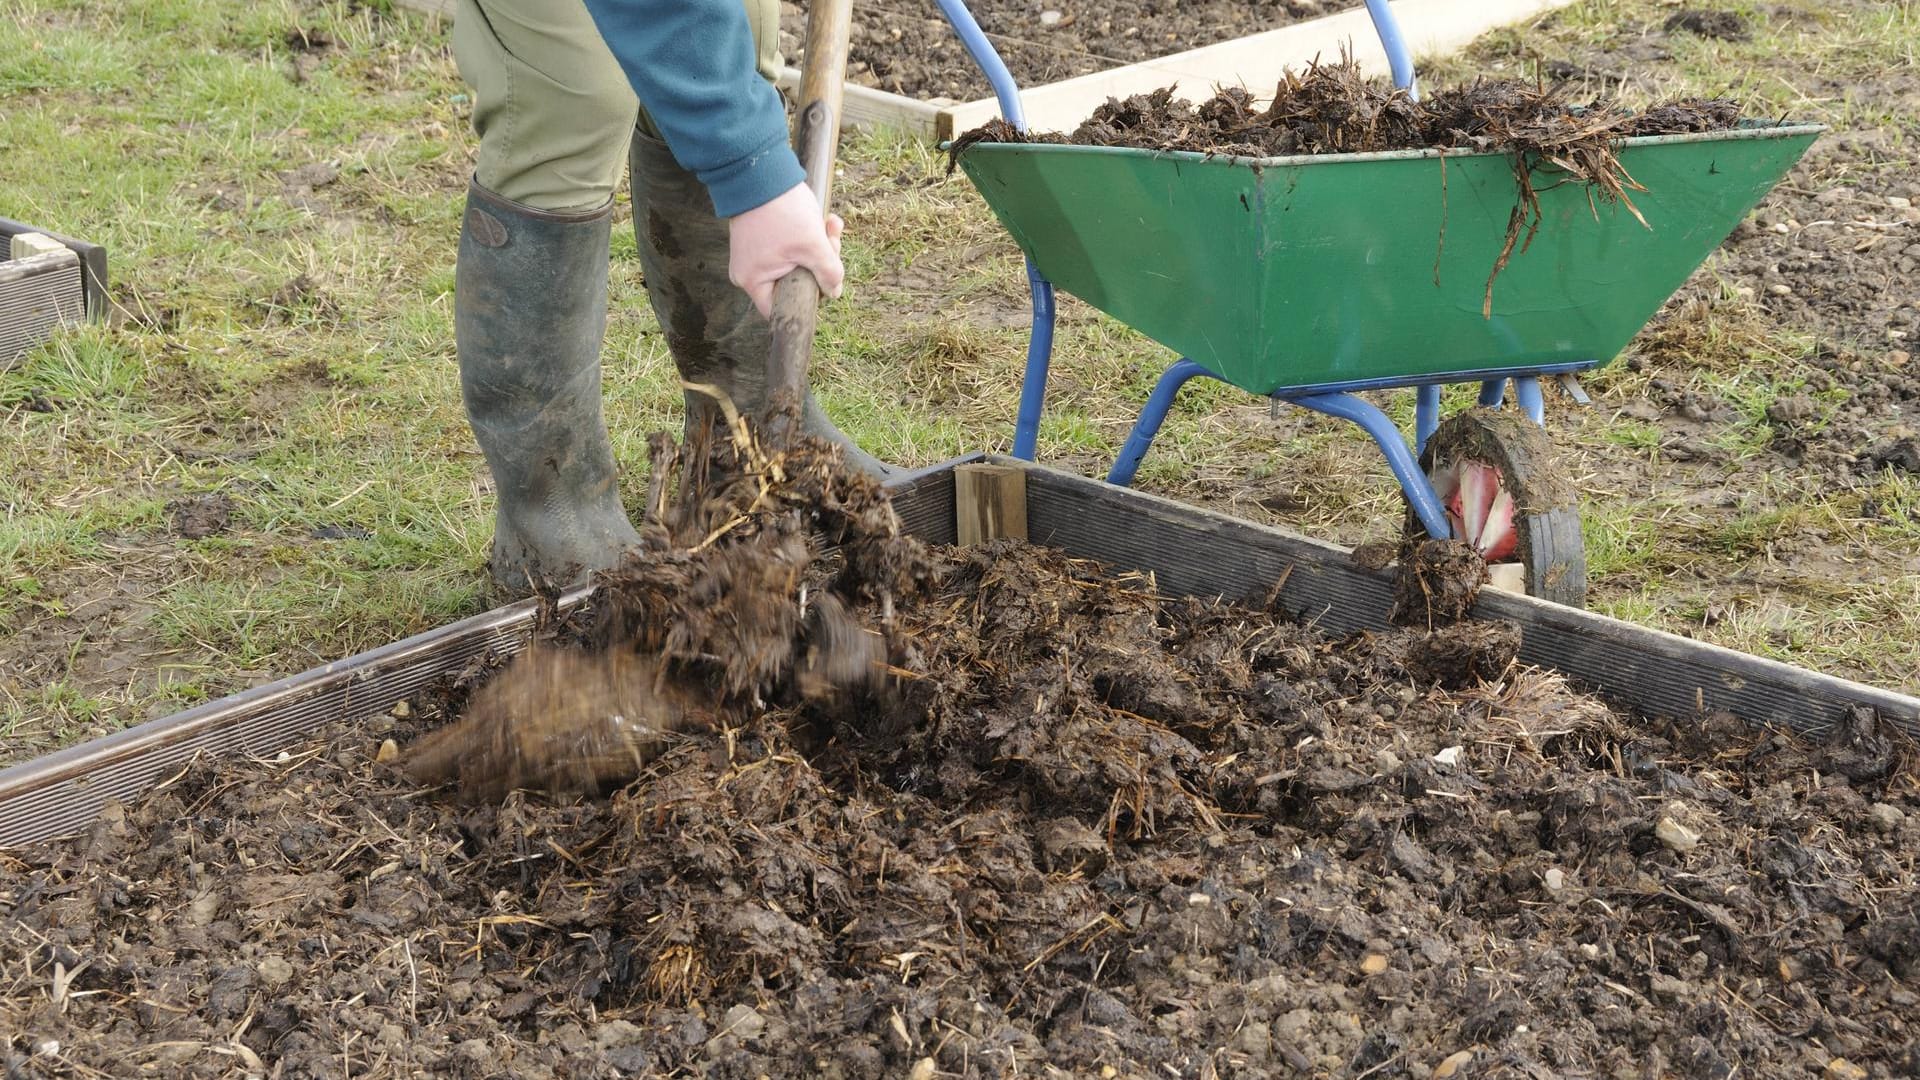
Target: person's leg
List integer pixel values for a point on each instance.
(553, 111)
(716, 335)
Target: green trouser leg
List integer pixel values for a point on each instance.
(555, 113)
(530, 313)
(716, 335)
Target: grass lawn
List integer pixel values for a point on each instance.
(262, 464)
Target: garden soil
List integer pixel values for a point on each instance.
(1078, 828)
(907, 47)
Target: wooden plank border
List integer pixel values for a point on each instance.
(93, 262)
(869, 108)
(1432, 28)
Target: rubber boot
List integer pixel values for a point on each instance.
(530, 312)
(716, 335)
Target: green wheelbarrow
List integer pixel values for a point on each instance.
(1309, 279)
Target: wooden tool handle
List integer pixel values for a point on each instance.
(796, 297)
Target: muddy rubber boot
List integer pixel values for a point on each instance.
(714, 332)
(530, 311)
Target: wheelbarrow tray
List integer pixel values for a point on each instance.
(1310, 271)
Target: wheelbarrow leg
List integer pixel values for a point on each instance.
(1426, 415)
(1406, 469)
(1152, 416)
(1033, 387)
(1526, 391)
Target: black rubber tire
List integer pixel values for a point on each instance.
(1547, 510)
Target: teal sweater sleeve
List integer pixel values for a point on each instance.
(692, 64)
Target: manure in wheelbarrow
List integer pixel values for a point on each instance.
(1550, 137)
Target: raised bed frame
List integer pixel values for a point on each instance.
(1432, 28)
(1189, 551)
(42, 292)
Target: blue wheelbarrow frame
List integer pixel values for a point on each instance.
(1340, 400)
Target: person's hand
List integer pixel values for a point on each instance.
(769, 241)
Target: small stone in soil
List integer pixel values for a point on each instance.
(1676, 836)
(1885, 816)
(1902, 454)
(617, 1033)
(1791, 409)
(742, 1021)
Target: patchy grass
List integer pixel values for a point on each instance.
(279, 183)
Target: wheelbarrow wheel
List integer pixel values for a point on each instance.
(1505, 494)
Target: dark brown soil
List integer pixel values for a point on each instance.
(1082, 827)
(201, 516)
(908, 48)
(1842, 261)
(1723, 25)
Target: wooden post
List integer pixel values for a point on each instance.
(989, 502)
